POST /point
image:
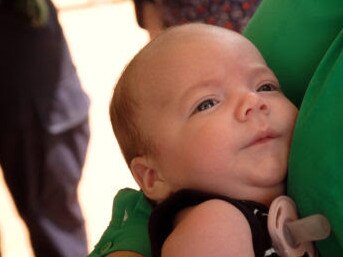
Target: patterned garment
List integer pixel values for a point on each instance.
(231, 14)
(162, 220)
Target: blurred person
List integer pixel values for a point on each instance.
(157, 15)
(44, 131)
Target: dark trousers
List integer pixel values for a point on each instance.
(42, 172)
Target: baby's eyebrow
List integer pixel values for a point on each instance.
(260, 70)
(210, 83)
(195, 91)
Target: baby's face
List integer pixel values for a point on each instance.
(217, 116)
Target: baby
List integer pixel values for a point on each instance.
(199, 109)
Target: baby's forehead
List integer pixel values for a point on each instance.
(185, 38)
(181, 35)
(171, 55)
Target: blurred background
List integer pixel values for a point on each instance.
(103, 36)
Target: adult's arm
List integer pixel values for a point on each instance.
(124, 254)
(149, 16)
(152, 19)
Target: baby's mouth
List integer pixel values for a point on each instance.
(262, 138)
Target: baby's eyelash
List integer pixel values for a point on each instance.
(268, 87)
(205, 105)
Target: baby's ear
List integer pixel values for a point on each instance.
(149, 179)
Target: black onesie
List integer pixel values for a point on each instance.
(162, 219)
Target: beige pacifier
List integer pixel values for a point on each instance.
(293, 237)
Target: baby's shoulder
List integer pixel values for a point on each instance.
(212, 213)
(211, 226)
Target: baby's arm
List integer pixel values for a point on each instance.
(212, 228)
(124, 254)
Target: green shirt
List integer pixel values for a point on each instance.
(128, 229)
(302, 41)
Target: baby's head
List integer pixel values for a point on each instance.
(198, 108)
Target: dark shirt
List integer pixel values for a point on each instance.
(162, 219)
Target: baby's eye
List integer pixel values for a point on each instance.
(206, 104)
(268, 87)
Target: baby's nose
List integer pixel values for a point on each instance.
(250, 104)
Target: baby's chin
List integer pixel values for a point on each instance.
(262, 194)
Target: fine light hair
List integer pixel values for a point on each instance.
(123, 117)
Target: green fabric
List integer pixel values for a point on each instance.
(293, 36)
(316, 161)
(128, 229)
(302, 42)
